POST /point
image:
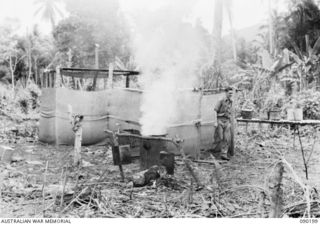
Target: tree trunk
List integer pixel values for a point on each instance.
(233, 38)
(217, 31)
(36, 78)
(29, 61)
(270, 29)
(12, 73)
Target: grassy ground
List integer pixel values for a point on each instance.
(233, 188)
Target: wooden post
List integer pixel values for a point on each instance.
(78, 80)
(305, 163)
(36, 75)
(276, 192)
(127, 81)
(54, 78)
(198, 124)
(58, 79)
(73, 82)
(41, 79)
(96, 57)
(110, 76)
(69, 63)
(246, 128)
(45, 82)
(105, 83)
(116, 152)
(77, 141)
(76, 122)
(49, 80)
(43, 189)
(94, 84)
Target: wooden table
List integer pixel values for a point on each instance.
(296, 131)
(281, 122)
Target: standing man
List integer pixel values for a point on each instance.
(223, 131)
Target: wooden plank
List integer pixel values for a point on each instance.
(124, 72)
(91, 73)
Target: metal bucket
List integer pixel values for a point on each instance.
(247, 114)
(274, 115)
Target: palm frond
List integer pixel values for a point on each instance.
(315, 47)
(296, 48)
(49, 10)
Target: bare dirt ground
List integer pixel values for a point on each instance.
(233, 189)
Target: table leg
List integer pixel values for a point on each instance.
(294, 139)
(247, 128)
(260, 128)
(303, 155)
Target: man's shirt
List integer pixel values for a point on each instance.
(224, 106)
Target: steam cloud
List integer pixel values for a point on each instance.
(167, 51)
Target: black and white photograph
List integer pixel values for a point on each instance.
(159, 109)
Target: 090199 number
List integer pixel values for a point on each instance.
(313, 221)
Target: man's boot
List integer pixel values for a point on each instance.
(224, 157)
(224, 151)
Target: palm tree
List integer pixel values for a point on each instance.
(278, 26)
(270, 28)
(49, 10)
(304, 19)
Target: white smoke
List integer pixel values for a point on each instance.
(167, 51)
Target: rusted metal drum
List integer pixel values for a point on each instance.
(150, 151)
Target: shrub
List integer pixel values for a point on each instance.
(310, 103)
(28, 99)
(35, 93)
(23, 100)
